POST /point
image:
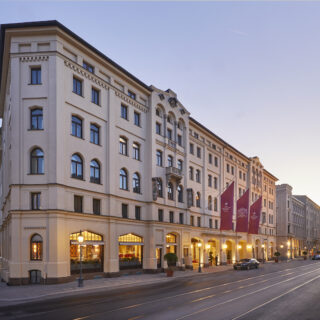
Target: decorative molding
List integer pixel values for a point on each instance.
(33, 58)
(39, 228)
(103, 84)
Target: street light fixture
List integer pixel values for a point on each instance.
(80, 240)
(199, 246)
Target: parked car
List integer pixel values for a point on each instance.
(316, 257)
(246, 264)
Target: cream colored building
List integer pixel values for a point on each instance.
(88, 147)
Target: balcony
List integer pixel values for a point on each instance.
(173, 173)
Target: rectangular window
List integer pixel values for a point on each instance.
(132, 95)
(35, 75)
(171, 216)
(198, 152)
(124, 210)
(179, 140)
(215, 182)
(192, 220)
(96, 206)
(209, 180)
(244, 176)
(210, 158)
(191, 148)
(216, 161)
(239, 192)
(94, 133)
(199, 222)
(228, 167)
(77, 86)
(181, 218)
(160, 214)
(138, 213)
(158, 128)
(210, 223)
(240, 174)
(76, 126)
(95, 96)
(124, 112)
(232, 170)
(169, 134)
(88, 67)
(35, 200)
(78, 203)
(216, 224)
(137, 119)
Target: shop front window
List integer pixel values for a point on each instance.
(130, 251)
(92, 252)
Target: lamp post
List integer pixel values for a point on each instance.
(80, 240)
(263, 253)
(199, 246)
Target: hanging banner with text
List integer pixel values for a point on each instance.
(226, 203)
(242, 212)
(255, 212)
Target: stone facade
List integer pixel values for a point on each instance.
(297, 223)
(88, 147)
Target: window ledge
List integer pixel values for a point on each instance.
(72, 135)
(79, 95)
(34, 84)
(81, 179)
(96, 144)
(35, 174)
(35, 129)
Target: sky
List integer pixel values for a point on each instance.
(249, 71)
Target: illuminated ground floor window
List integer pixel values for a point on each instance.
(130, 251)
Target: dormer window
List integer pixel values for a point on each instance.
(88, 67)
(132, 95)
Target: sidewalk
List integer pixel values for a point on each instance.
(10, 295)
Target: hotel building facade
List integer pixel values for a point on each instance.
(87, 147)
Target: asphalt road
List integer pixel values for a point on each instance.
(283, 291)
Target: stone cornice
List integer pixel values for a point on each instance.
(34, 58)
(103, 84)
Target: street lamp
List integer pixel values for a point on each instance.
(80, 240)
(199, 246)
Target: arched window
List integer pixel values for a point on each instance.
(169, 119)
(36, 247)
(136, 182)
(123, 146)
(180, 164)
(94, 171)
(159, 185)
(158, 112)
(76, 167)
(198, 175)
(123, 179)
(76, 126)
(170, 161)
(209, 203)
(136, 151)
(191, 173)
(36, 119)
(37, 161)
(170, 191)
(215, 204)
(94, 133)
(198, 205)
(180, 193)
(159, 158)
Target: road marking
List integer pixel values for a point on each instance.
(244, 295)
(275, 298)
(203, 298)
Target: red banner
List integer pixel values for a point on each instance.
(255, 212)
(226, 203)
(242, 212)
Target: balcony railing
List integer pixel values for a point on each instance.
(173, 173)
